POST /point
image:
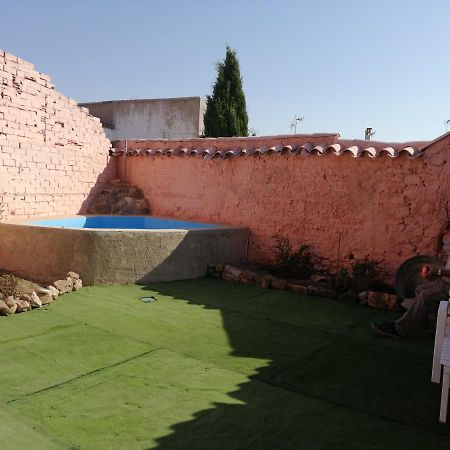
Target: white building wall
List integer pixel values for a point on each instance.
(173, 118)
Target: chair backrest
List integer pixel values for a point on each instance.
(441, 325)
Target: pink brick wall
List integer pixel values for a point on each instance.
(384, 208)
(52, 152)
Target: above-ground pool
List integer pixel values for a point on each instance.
(118, 249)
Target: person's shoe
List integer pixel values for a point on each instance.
(386, 329)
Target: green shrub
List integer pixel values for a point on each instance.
(292, 263)
(343, 280)
(365, 274)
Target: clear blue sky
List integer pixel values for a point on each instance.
(342, 64)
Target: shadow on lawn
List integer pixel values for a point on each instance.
(320, 389)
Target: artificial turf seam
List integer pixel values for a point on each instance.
(317, 397)
(124, 361)
(303, 326)
(335, 335)
(31, 336)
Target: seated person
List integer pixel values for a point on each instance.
(424, 305)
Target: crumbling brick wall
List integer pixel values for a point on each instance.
(52, 152)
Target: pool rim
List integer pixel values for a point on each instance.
(26, 223)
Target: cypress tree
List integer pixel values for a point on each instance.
(226, 113)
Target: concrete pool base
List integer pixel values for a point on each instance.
(117, 256)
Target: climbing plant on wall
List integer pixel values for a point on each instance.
(226, 113)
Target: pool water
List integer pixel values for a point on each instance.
(121, 223)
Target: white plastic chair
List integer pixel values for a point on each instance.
(441, 356)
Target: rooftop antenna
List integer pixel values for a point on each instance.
(447, 123)
(368, 133)
(297, 119)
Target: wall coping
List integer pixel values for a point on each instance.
(301, 144)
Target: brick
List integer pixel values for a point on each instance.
(51, 151)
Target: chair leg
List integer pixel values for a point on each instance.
(439, 341)
(444, 395)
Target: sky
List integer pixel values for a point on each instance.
(343, 65)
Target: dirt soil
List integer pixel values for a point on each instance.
(12, 285)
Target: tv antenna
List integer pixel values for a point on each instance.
(447, 123)
(368, 133)
(296, 120)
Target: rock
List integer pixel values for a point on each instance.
(13, 308)
(363, 296)
(264, 281)
(46, 299)
(278, 283)
(22, 305)
(77, 285)
(64, 286)
(316, 278)
(41, 290)
(381, 300)
(1, 296)
(247, 277)
(53, 291)
(10, 301)
(297, 288)
(348, 297)
(231, 273)
(35, 301)
(322, 291)
(118, 198)
(5, 310)
(73, 275)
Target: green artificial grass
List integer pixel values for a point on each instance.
(212, 365)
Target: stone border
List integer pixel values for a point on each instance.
(39, 297)
(378, 300)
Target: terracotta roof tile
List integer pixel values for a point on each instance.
(303, 145)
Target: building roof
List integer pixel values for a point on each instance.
(305, 145)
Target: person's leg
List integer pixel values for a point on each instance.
(428, 296)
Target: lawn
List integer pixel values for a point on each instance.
(212, 365)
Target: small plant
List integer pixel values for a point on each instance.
(365, 274)
(289, 262)
(343, 280)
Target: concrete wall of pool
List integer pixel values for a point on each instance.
(118, 249)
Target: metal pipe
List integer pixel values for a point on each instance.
(126, 161)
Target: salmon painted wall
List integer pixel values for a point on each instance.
(52, 152)
(383, 208)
